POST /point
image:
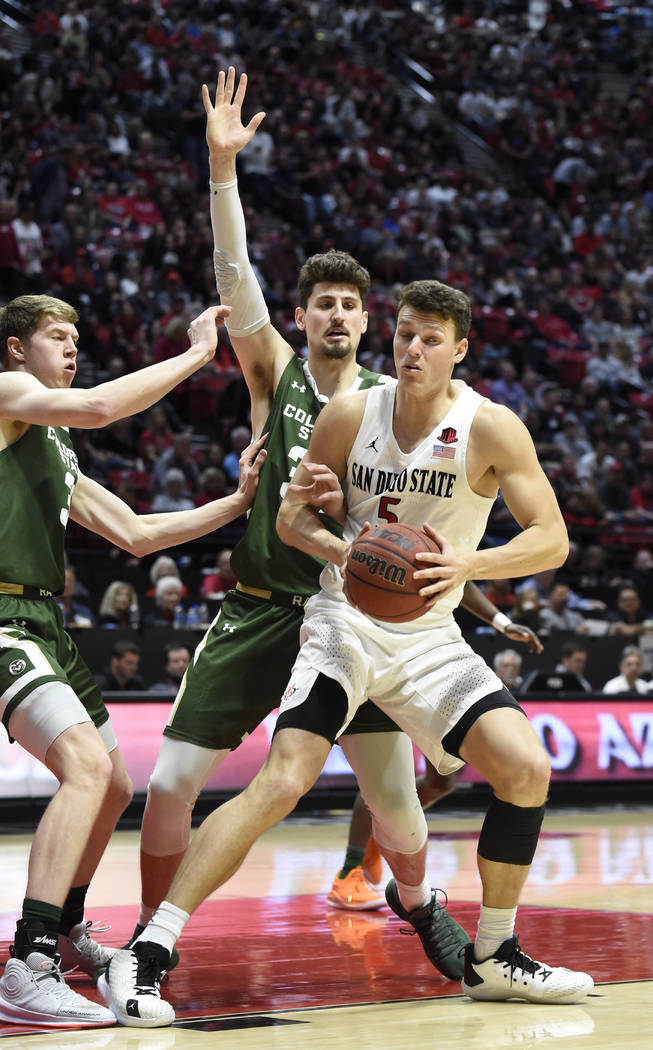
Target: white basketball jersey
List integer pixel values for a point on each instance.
(429, 484)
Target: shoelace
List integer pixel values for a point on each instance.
(436, 913)
(147, 978)
(87, 946)
(519, 961)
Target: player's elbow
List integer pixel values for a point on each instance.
(284, 525)
(559, 547)
(138, 542)
(97, 412)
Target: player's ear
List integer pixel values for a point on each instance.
(364, 321)
(300, 318)
(461, 350)
(15, 349)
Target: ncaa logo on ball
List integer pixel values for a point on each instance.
(17, 667)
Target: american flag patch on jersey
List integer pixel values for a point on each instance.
(444, 451)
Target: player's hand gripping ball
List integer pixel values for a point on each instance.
(379, 572)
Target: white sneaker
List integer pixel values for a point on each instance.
(131, 983)
(78, 949)
(509, 974)
(34, 992)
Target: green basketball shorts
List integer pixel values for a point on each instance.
(239, 673)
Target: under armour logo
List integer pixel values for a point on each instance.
(297, 386)
(372, 444)
(229, 627)
(17, 667)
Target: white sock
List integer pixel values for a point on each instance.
(166, 926)
(414, 896)
(145, 914)
(495, 925)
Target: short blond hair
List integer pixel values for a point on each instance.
(21, 317)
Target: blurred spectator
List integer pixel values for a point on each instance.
(507, 665)
(641, 499)
(629, 617)
(164, 565)
(157, 436)
(30, 247)
(628, 680)
(216, 584)
(507, 390)
(119, 606)
(615, 494)
(167, 597)
(179, 455)
(556, 614)
(122, 673)
(74, 613)
(213, 485)
(526, 608)
(240, 438)
(173, 496)
(573, 658)
(642, 575)
(177, 658)
(10, 261)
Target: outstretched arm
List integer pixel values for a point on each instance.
(23, 397)
(103, 512)
(477, 603)
(261, 351)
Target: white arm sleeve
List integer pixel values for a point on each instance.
(234, 277)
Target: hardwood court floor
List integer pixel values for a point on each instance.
(266, 964)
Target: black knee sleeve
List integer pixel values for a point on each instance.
(509, 834)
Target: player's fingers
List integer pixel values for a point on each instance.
(257, 119)
(206, 99)
(219, 88)
(239, 97)
(229, 85)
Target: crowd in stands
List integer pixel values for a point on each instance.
(462, 141)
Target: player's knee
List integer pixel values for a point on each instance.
(172, 786)
(121, 789)
(400, 824)
(525, 780)
(286, 786)
(87, 769)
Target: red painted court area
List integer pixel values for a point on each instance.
(250, 956)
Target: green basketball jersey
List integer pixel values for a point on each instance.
(37, 476)
(260, 559)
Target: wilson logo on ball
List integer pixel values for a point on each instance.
(380, 572)
(395, 574)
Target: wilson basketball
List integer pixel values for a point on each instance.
(379, 572)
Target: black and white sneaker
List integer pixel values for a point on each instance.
(510, 974)
(131, 986)
(174, 954)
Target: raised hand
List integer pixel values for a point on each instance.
(225, 131)
(204, 329)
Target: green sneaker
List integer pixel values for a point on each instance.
(443, 939)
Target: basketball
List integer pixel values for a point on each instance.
(379, 572)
